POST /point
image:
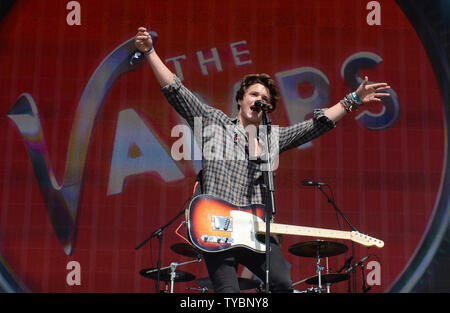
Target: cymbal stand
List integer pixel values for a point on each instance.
(173, 267)
(319, 269)
(328, 272)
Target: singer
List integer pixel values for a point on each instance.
(240, 181)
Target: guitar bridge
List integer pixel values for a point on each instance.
(222, 223)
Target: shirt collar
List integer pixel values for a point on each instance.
(235, 120)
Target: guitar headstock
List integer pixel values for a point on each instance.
(366, 240)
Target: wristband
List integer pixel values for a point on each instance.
(357, 100)
(149, 51)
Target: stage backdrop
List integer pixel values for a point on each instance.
(86, 172)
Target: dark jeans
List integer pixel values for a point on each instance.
(222, 268)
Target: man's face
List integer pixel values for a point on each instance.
(255, 92)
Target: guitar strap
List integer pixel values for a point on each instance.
(198, 189)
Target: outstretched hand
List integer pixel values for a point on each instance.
(143, 40)
(371, 92)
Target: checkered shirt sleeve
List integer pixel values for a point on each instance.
(300, 133)
(185, 102)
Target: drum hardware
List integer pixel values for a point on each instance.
(170, 274)
(327, 279)
(320, 249)
(244, 283)
(202, 290)
(308, 290)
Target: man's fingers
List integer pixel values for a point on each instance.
(382, 95)
(379, 85)
(366, 79)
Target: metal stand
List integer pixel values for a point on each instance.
(159, 234)
(328, 285)
(351, 226)
(319, 269)
(270, 196)
(173, 267)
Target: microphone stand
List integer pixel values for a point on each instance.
(270, 195)
(351, 226)
(159, 234)
(364, 287)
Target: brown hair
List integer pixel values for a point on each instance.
(262, 79)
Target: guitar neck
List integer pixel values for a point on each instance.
(260, 227)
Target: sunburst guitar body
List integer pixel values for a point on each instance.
(215, 225)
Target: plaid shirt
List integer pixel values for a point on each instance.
(228, 171)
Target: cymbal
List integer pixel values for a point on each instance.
(244, 283)
(180, 276)
(186, 249)
(327, 278)
(322, 248)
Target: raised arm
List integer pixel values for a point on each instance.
(365, 93)
(144, 43)
(185, 102)
(326, 119)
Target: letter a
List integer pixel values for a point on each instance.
(74, 276)
(137, 151)
(74, 16)
(374, 276)
(374, 16)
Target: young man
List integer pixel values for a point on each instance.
(239, 180)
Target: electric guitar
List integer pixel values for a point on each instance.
(215, 225)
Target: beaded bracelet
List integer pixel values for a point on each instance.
(350, 101)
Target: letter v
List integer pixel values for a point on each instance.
(62, 200)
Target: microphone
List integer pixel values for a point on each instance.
(363, 259)
(359, 263)
(136, 55)
(260, 105)
(312, 183)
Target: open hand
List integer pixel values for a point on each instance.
(371, 92)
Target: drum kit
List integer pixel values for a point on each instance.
(171, 275)
(318, 249)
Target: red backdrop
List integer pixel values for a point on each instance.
(386, 181)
